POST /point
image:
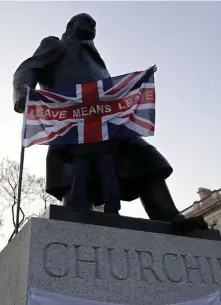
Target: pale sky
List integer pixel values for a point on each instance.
(181, 38)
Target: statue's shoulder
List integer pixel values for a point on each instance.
(50, 38)
(50, 42)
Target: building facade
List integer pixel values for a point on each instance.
(209, 206)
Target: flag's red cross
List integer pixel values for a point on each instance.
(92, 127)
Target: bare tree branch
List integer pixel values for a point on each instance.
(33, 189)
(43, 195)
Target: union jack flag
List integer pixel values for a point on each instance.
(118, 107)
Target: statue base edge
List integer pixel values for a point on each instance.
(64, 213)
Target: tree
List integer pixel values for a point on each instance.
(2, 206)
(33, 189)
(43, 195)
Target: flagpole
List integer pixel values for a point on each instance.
(21, 166)
(22, 155)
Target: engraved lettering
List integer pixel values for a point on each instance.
(146, 260)
(219, 261)
(61, 260)
(168, 259)
(217, 268)
(53, 264)
(124, 274)
(190, 269)
(81, 262)
(211, 269)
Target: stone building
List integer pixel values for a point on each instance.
(209, 206)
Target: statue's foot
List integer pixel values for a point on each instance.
(180, 223)
(110, 210)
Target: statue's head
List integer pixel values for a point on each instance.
(82, 26)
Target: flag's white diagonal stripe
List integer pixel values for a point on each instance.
(45, 133)
(139, 129)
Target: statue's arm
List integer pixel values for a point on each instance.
(28, 73)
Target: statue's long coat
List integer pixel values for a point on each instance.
(66, 62)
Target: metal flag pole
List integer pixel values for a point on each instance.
(26, 91)
(21, 166)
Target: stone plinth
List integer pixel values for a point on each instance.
(110, 264)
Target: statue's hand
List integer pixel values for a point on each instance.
(153, 69)
(22, 91)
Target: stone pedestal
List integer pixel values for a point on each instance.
(116, 265)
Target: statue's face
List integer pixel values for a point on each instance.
(83, 26)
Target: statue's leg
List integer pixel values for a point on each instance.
(77, 197)
(109, 183)
(156, 199)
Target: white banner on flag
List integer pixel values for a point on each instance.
(40, 297)
(212, 299)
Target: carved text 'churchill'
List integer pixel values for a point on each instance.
(61, 260)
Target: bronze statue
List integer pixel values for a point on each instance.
(141, 169)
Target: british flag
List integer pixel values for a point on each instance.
(118, 107)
